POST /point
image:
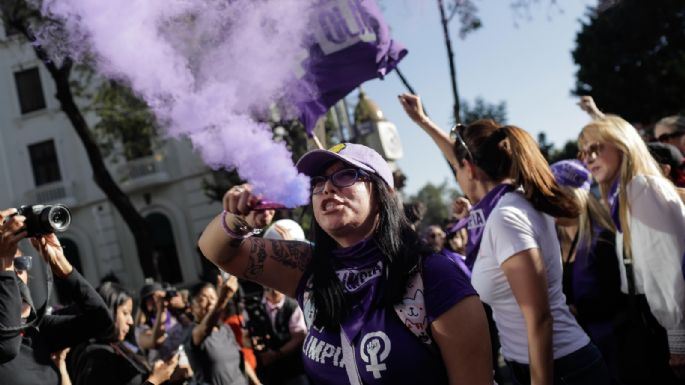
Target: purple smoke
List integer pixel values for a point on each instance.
(205, 67)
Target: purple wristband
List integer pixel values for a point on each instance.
(230, 232)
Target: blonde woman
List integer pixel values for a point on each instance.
(650, 241)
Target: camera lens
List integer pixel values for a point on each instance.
(59, 218)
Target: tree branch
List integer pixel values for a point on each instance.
(450, 57)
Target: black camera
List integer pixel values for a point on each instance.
(170, 293)
(45, 219)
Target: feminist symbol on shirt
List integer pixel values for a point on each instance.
(375, 348)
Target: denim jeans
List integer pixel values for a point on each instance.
(585, 366)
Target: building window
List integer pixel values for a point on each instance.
(44, 162)
(167, 256)
(9, 30)
(30, 90)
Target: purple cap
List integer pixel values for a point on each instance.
(315, 161)
(572, 173)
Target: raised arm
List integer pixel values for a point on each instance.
(204, 328)
(414, 109)
(154, 338)
(276, 264)
(93, 320)
(587, 104)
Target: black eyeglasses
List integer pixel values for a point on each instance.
(460, 146)
(669, 136)
(23, 263)
(341, 178)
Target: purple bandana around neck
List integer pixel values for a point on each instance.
(360, 269)
(477, 218)
(613, 204)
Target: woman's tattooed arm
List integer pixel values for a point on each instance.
(291, 254)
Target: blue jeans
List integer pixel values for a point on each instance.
(585, 366)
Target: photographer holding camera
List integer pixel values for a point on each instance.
(162, 323)
(28, 337)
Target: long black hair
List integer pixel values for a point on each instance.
(399, 244)
(114, 296)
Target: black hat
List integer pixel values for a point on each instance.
(150, 288)
(665, 153)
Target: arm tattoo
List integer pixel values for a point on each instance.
(295, 255)
(256, 258)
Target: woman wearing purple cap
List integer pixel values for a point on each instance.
(383, 308)
(591, 279)
(514, 251)
(650, 222)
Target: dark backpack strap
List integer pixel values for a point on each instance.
(289, 307)
(574, 245)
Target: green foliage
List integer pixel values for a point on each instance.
(438, 201)
(546, 148)
(552, 154)
(468, 16)
(125, 119)
(480, 109)
(219, 182)
(17, 14)
(569, 151)
(631, 59)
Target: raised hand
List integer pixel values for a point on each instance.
(413, 107)
(11, 232)
(239, 200)
(587, 104)
(49, 247)
(226, 288)
(461, 208)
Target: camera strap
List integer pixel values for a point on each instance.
(36, 315)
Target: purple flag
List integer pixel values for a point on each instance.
(351, 44)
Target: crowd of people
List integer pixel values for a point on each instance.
(210, 333)
(570, 273)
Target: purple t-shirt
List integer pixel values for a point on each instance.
(386, 352)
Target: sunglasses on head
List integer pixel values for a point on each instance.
(591, 152)
(341, 178)
(459, 143)
(23, 263)
(670, 136)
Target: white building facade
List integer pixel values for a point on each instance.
(43, 161)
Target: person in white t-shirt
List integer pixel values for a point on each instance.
(650, 240)
(514, 251)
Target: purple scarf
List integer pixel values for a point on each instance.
(360, 269)
(477, 218)
(612, 199)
